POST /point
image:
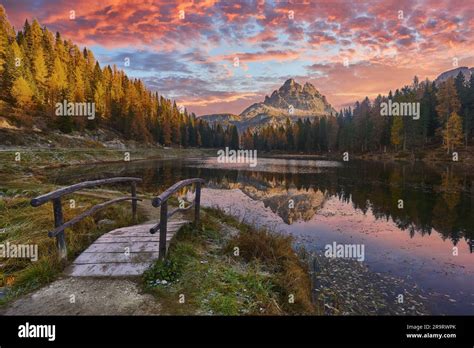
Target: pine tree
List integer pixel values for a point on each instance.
(234, 141)
(34, 37)
(58, 81)
(40, 69)
(166, 133)
(7, 35)
(469, 126)
(290, 139)
(11, 70)
(462, 91)
(48, 50)
(247, 140)
(453, 133)
(396, 132)
(100, 99)
(429, 117)
(22, 92)
(448, 101)
(40, 72)
(323, 134)
(79, 88)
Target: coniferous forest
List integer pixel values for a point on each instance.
(39, 69)
(232, 158)
(446, 120)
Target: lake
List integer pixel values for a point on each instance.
(415, 222)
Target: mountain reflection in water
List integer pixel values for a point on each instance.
(319, 202)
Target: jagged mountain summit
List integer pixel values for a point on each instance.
(295, 101)
(304, 100)
(291, 100)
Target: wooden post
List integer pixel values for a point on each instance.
(163, 224)
(197, 203)
(58, 221)
(134, 201)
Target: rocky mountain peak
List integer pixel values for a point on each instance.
(305, 101)
(290, 83)
(310, 89)
(306, 98)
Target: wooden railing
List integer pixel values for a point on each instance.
(162, 201)
(55, 196)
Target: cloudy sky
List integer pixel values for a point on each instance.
(221, 56)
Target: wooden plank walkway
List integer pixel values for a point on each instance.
(126, 251)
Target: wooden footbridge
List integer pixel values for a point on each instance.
(126, 251)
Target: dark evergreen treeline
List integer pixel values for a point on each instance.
(39, 69)
(446, 119)
(444, 204)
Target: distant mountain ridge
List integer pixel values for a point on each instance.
(291, 100)
(225, 119)
(294, 101)
(467, 72)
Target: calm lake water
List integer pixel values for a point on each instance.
(426, 243)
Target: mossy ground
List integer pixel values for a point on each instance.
(20, 223)
(16, 160)
(24, 224)
(224, 267)
(266, 277)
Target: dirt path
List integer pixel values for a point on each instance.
(91, 295)
(86, 296)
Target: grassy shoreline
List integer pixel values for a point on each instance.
(228, 275)
(52, 158)
(27, 225)
(22, 224)
(263, 284)
(430, 156)
(225, 267)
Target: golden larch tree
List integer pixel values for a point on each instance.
(22, 92)
(396, 131)
(453, 133)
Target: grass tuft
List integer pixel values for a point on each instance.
(275, 252)
(201, 266)
(24, 224)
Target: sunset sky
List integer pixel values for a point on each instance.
(192, 59)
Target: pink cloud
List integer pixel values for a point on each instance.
(384, 51)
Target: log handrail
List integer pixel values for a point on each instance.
(162, 201)
(157, 201)
(36, 202)
(55, 197)
(87, 213)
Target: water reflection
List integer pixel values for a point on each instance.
(322, 201)
(432, 199)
